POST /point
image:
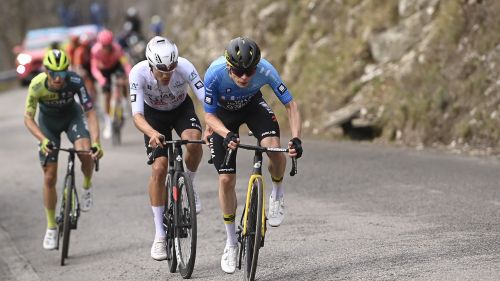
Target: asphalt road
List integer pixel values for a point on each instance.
(356, 211)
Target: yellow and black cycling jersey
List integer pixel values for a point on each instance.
(56, 102)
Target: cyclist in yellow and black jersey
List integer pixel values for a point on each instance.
(53, 91)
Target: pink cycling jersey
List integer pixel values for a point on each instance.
(102, 60)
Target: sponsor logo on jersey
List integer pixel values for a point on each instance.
(193, 76)
(199, 85)
(228, 90)
(208, 100)
(133, 97)
(192, 119)
(281, 88)
(178, 84)
(134, 86)
(75, 79)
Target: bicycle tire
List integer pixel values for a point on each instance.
(253, 236)
(186, 228)
(168, 223)
(68, 198)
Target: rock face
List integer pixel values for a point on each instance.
(414, 69)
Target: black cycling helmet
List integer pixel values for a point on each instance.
(242, 53)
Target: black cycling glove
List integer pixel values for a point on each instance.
(230, 137)
(297, 144)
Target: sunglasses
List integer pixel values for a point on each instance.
(240, 72)
(55, 74)
(163, 68)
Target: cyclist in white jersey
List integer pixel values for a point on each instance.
(160, 103)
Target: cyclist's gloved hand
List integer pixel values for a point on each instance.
(231, 137)
(97, 151)
(46, 146)
(296, 144)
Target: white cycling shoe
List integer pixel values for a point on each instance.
(228, 260)
(50, 239)
(159, 249)
(276, 211)
(86, 199)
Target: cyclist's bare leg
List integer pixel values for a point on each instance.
(157, 182)
(227, 193)
(49, 186)
(277, 161)
(87, 163)
(194, 152)
(107, 102)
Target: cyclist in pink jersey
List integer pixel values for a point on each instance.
(108, 58)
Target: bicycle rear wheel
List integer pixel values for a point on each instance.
(186, 226)
(253, 236)
(66, 232)
(168, 224)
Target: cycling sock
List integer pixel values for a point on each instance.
(87, 182)
(230, 229)
(160, 231)
(51, 218)
(191, 174)
(278, 190)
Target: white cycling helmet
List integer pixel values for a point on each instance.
(162, 54)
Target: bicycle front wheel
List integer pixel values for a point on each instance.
(253, 236)
(186, 226)
(168, 224)
(67, 203)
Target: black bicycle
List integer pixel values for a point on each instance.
(253, 223)
(179, 218)
(69, 212)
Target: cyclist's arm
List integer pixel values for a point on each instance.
(143, 125)
(136, 86)
(216, 124)
(94, 68)
(294, 119)
(93, 126)
(194, 79)
(123, 60)
(29, 115)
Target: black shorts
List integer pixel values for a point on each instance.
(107, 73)
(259, 118)
(73, 123)
(181, 118)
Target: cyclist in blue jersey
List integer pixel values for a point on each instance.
(233, 98)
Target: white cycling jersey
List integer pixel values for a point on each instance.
(144, 88)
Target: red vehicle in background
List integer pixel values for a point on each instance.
(30, 53)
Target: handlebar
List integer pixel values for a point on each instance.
(229, 153)
(52, 147)
(152, 156)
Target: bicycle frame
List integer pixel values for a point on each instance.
(174, 219)
(256, 173)
(69, 207)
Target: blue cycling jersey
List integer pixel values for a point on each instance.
(222, 91)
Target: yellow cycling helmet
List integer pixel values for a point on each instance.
(56, 60)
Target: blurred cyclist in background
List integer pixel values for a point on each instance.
(108, 58)
(71, 47)
(156, 26)
(81, 63)
(132, 16)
